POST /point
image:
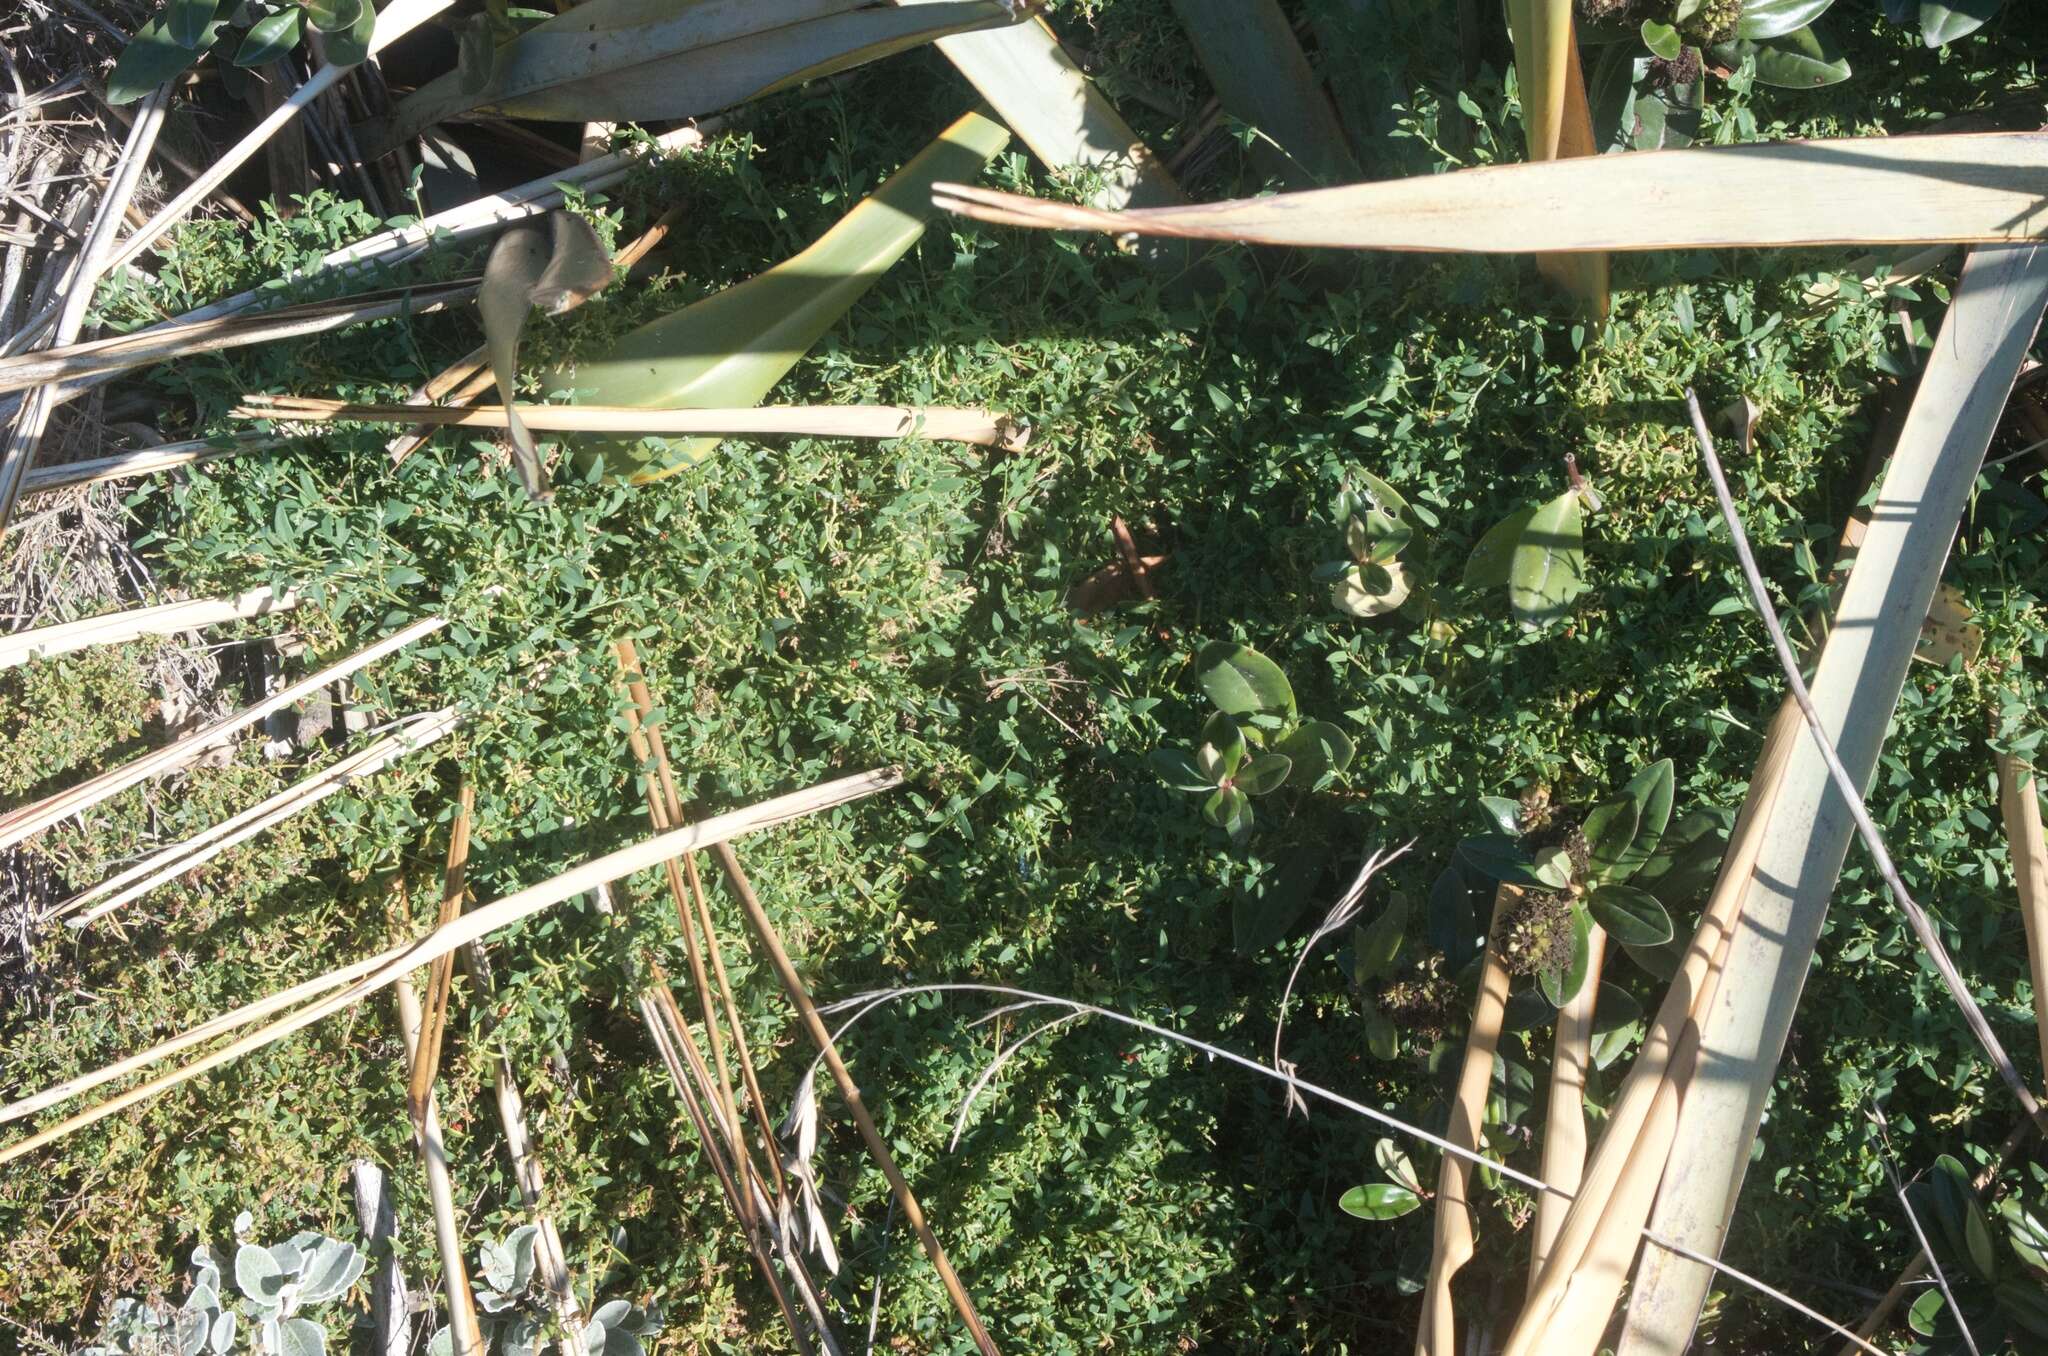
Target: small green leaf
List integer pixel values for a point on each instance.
(1178, 770)
(1264, 774)
(1394, 1161)
(1221, 749)
(1632, 917)
(1240, 680)
(1501, 815)
(1662, 39)
(1548, 570)
(1652, 791)
(1775, 18)
(1456, 899)
(1561, 986)
(1386, 526)
(1317, 749)
(1379, 1200)
(1378, 943)
(1492, 559)
(1614, 1008)
(1610, 830)
(271, 37)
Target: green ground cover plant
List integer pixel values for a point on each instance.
(811, 607)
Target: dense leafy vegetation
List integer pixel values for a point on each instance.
(813, 606)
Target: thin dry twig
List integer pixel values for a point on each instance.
(1919, 1234)
(426, 1063)
(1873, 842)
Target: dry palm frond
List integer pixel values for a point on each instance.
(1963, 187)
(350, 983)
(145, 461)
(102, 357)
(164, 619)
(161, 867)
(32, 819)
(941, 423)
(462, 1319)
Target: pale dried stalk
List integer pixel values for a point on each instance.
(941, 423)
(397, 19)
(146, 461)
(485, 215)
(161, 867)
(462, 1320)
(1454, 1244)
(32, 819)
(360, 978)
(122, 352)
(26, 436)
(1961, 187)
(390, 1323)
(433, 1023)
(164, 619)
(1564, 1120)
(1592, 1224)
(2020, 805)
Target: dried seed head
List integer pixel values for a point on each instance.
(1424, 1006)
(1712, 22)
(1682, 69)
(1534, 932)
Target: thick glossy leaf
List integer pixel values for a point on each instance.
(1493, 557)
(1177, 769)
(1264, 774)
(1501, 814)
(1684, 866)
(1370, 590)
(1222, 749)
(1548, 570)
(187, 23)
(1665, 117)
(1614, 1009)
(1774, 18)
(1378, 943)
(1382, 1037)
(151, 57)
(1379, 1200)
(1394, 1161)
(1264, 911)
(1552, 868)
(271, 37)
(1652, 791)
(2028, 1235)
(1242, 681)
(1261, 77)
(1926, 1311)
(1962, 1222)
(1609, 1046)
(552, 265)
(1526, 1010)
(2025, 1302)
(1801, 59)
(1230, 810)
(1943, 21)
(1632, 917)
(351, 46)
(1610, 831)
(731, 348)
(1317, 748)
(257, 1274)
(1385, 523)
(1559, 986)
(334, 16)
(1633, 110)
(1662, 962)
(1662, 39)
(1497, 857)
(650, 60)
(1458, 901)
